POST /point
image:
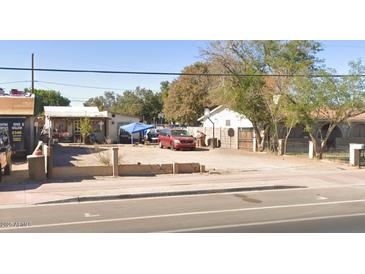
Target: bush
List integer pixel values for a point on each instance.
(85, 128)
(105, 157)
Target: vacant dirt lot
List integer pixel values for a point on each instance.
(223, 160)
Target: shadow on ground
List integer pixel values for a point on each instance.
(64, 155)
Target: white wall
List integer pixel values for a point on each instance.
(115, 122)
(219, 118)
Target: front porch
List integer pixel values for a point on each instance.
(67, 130)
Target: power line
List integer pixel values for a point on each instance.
(14, 82)
(178, 73)
(79, 86)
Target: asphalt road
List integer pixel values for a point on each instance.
(329, 209)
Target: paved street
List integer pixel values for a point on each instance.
(329, 209)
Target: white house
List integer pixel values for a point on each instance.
(63, 123)
(223, 117)
(231, 129)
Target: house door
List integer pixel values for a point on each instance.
(76, 131)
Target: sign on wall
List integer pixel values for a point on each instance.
(14, 129)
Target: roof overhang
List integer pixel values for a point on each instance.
(20, 106)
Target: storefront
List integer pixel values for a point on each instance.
(17, 123)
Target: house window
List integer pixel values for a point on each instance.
(113, 115)
(228, 123)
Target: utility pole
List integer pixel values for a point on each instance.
(33, 73)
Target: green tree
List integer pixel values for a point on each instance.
(328, 100)
(85, 128)
(141, 102)
(254, 97)
(242, 94)
(98, 102)
(102, 102)
(151, 104)
(128, 103)
(187, 96)
(48, 98)
(164, 89)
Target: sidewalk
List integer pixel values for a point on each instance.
(25, 194)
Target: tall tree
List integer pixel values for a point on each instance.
(187, 96)
(128, 103)
(102, 102)
(242, 94)
(141, 102)
(328, 100)
(257, 97)
(48, 98)
(151, 104)
(164, 89)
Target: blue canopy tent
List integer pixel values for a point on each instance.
(135, 128)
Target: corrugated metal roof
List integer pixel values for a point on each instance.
(91, 112)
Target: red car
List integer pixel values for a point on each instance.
(176, 139)
(15, 92)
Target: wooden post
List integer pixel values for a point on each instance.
(115, 161)
(175, 168)
(50, 162)
(281, 147)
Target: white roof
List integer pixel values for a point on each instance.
(91, 112)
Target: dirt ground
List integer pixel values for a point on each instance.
(19, 173)
(223, 160)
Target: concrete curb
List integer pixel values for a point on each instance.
(168, 193)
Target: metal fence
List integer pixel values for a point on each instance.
(338, 153)
(297, 146)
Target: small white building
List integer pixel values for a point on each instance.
(63, 123)
(231, 129)
(115, 121)
(223, 117)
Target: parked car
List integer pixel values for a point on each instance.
(152, 135)
(15, 92)
(5, 154)
(176, 139)
(2, 92)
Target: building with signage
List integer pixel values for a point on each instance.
(17, 122)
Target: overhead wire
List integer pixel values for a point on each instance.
(176, 73)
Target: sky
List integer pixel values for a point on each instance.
(164, 56)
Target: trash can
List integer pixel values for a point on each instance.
(213, 142)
